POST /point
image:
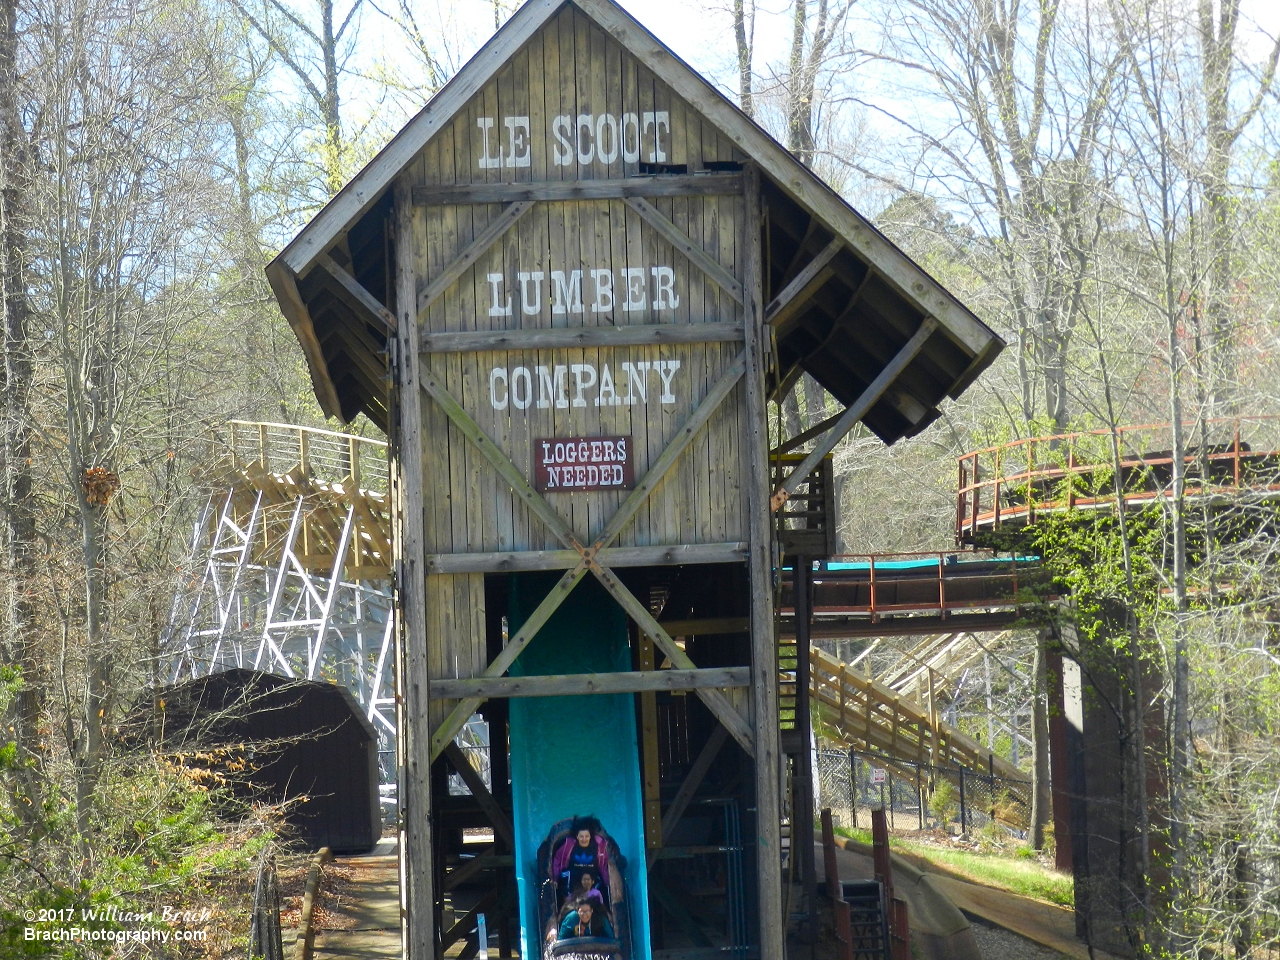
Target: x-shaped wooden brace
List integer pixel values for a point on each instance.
(715, 700)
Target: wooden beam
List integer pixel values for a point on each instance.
(764, 652)
(567, 337)
(284, 283)
(716, 701)
(706, 628)
(855, 411)
(800, 439)
(519, 560)
(368, 304)
(708, 264)
(706, 756)
(500, 461)
(464, 926)
(474, 251)
(413, 676)
(666, 185)
(471, 777)
(489, 860)
(679, 443)
(792, 298)
(451, 724)
(589, 684)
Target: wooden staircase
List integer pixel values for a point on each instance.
(858, 712)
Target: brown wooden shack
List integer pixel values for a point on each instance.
(569, 289)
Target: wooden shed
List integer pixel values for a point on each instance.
(301, 739)
(569, 289)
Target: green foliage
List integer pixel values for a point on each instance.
(158, 838)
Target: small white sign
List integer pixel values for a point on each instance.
(877, 776)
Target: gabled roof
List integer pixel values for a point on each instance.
(827, 339)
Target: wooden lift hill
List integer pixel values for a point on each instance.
(568, 290)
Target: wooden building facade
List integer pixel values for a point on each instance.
(568, 290)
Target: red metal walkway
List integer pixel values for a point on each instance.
(915, 593)
(1228, 460)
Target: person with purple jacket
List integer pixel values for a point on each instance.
(583, 850)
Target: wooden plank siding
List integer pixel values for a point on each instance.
(485, 339)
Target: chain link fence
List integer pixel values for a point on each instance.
(919, 796)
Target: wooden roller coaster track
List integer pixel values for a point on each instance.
(1227, 460)
(335, 483)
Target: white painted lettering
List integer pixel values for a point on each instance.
(585, 122)
(607, 121)
(523, 397)
(518, 152)
(495, 280)
(604, 291)
(663, 119)
(637, 376)
(630, 149)
(658, 120)
(567, 295)
(552, 384)
(562, 149)
(584, 376)
(487, 162)
(531, 306)
(664, 288)
(633, 288)
(496, 374)
(608, 396)
(666, 370)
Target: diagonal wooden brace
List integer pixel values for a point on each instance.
(459, 715)
(855, 412)
(714, 699)
(475, 250)
(708, 264)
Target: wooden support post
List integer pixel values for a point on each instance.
(764, 654)
(835, 891)
(802, 818)
(417, 893)
(649, 740)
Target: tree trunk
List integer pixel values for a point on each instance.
(93, 528)
(1040, 802)
(19, 531)
(329, 109)
(744, 37)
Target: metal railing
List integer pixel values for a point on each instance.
(874, 585)
(926, 797)
(1012, 482)
(323, 455)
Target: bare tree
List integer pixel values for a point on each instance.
(123, 94)
(316, 52)
(1026, 92)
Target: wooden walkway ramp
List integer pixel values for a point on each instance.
(362, 921)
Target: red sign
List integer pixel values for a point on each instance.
(577, 464)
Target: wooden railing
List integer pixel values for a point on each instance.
(317, 492)
(323, 455)
(859, 712)
(1013, 482)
